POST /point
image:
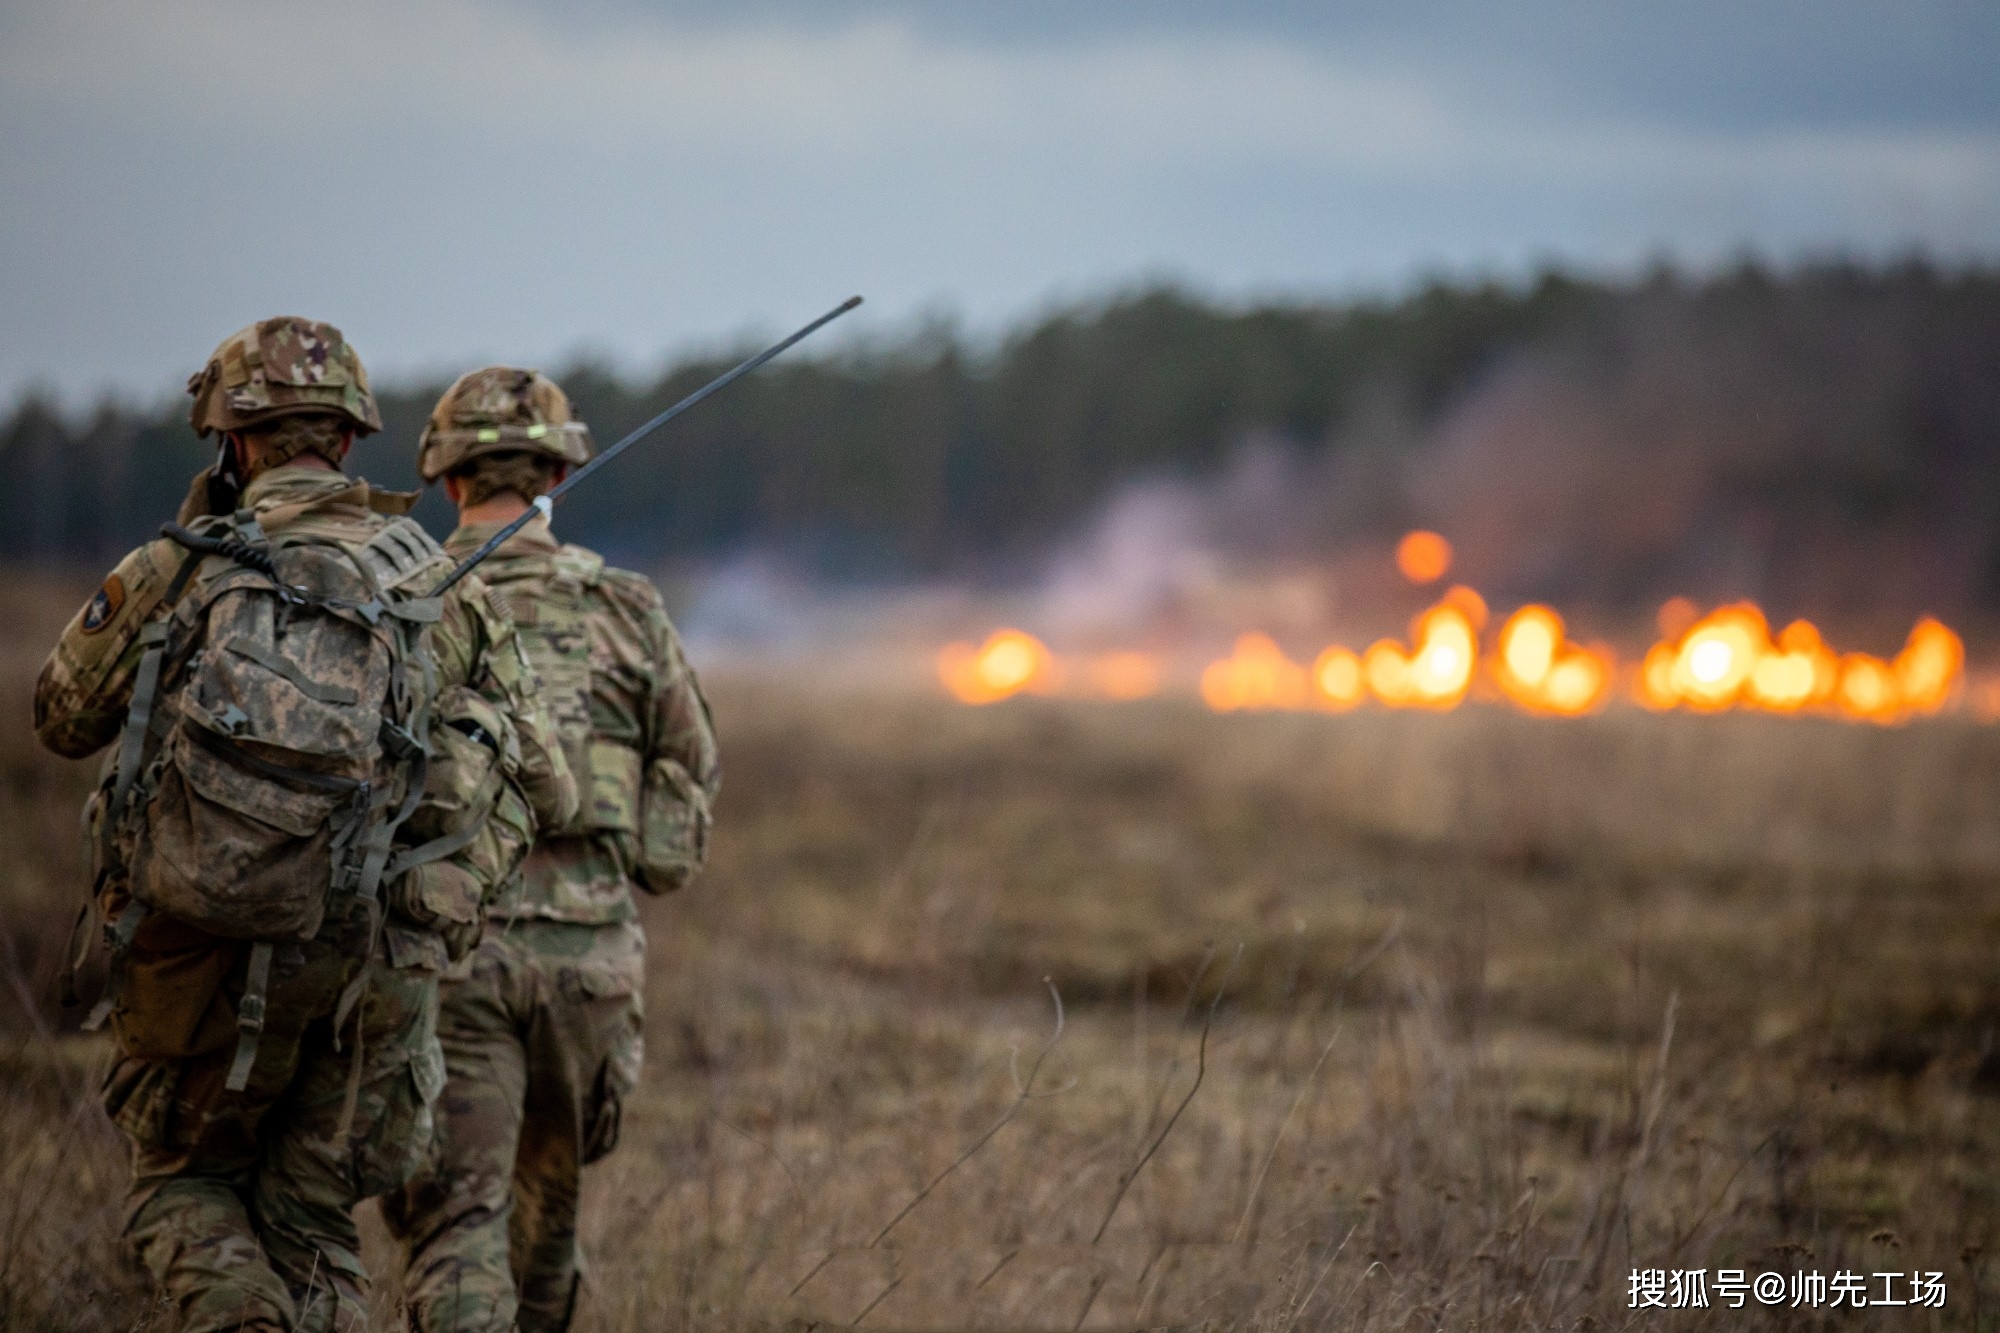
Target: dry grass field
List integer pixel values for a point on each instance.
(1373, 1022)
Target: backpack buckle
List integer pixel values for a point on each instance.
(399, 741)
(250, 1016)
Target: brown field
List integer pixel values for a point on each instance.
(1384, 1021)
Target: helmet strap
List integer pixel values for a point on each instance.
(230, 464)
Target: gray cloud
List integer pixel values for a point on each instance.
(458, 179)
(1741, 63)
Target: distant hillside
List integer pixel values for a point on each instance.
(1825, 433)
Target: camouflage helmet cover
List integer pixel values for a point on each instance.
(282, 367)
(500, 409)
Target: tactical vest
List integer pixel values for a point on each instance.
(642, 816)
(549, 598)
(277, 739)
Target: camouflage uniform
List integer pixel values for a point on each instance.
(543, 1039)
(241, 1201)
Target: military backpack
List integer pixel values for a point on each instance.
(280, 735)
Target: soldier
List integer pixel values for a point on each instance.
(272, 1075)
(543, 1039)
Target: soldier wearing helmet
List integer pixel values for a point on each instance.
(543, 1039)
(265, 1099)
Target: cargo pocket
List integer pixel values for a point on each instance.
(139, 1098)
(443, 881)
(674, 824)
(494, 857)
(465, 768)
(393, 1144)
(443, 899)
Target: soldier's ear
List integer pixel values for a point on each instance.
(452, 488)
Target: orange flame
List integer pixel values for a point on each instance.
(1009, 662)
(1339, 681)
(1717, 656)
(1930, 666)
(1542, 672)
(1437, 671)
(1801, 671)
(1676, 617)
(1423, 557)
(1257, 675)
(1726, 659)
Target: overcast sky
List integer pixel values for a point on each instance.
(458, 181)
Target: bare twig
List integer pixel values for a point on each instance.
(1096, 1285)
(1005, 1259)
(880, 1296)
(1174, 1064)
(1658, 1095)
(1279, 1137)
(1200, 1072)
(769, 1149)
(1298, 1312)
(824, 1261)
(1024, 1092)
(1375, 950)
(1673, 1251)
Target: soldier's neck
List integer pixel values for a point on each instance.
(502, 508)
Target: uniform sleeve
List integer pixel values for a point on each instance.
(86, 684)
(682, 729)
(503, 676)
(681, 732)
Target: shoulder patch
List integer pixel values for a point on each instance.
(105, 606)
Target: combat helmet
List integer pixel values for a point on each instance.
(282, 367)
(500, 409)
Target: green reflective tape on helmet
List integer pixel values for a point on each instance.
(497, 410)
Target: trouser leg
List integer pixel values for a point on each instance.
(583, 1050)
(545, 1180)
(193, 1233)
(452, 1221)
(313, 1175)
(195, 1151)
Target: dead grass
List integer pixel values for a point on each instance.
(1371, 1022)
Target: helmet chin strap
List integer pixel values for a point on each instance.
(225, 481)
(229, 462)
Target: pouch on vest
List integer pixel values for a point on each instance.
(472, 829)
(674, 821)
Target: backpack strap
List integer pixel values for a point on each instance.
(131, 754)
(381, 841)
(250, 1015)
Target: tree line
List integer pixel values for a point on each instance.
(930, 455)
